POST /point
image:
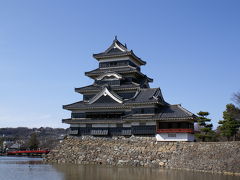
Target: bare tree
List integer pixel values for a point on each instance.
(236, 98)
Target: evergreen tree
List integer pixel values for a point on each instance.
(1, 144)
(230, 124)
(33, 141)
(205, 128)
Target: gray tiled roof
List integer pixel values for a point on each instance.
(143, 96)
(114, 52)
(82, 104)
(174, 111)
(88, 88)
(89, 120)
(110, 49)
(168, 112)
(124, 69)
(98, 88)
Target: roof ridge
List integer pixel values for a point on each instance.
(136, 94)
(156, 93)
(72, 103)
(86, 86)
(185, 110)
(148, 89)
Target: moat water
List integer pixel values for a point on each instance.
(25, 168)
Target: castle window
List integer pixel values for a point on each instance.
(88, 125)
(119, 125)
(142, 124)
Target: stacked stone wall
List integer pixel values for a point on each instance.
(221, 157)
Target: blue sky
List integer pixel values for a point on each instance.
(192, 49)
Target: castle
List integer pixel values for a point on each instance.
(120, 102)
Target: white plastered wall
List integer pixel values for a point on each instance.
(179, 137)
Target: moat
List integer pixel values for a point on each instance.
(24, 168)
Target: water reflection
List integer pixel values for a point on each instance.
(24, 168)
(72, 172)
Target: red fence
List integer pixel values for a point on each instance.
(175, 130)
(28, 152)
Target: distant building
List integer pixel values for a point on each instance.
(121, 103)
(7, 144)
(15, 146)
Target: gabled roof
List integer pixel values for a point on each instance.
(106, 92)
(116, 46)
(117, 49)
(109, 74)
(148, 95)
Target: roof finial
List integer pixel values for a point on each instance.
(115, 37)
(125, 45)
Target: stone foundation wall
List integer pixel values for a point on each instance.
(221, 157)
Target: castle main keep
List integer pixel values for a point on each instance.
(120, 102)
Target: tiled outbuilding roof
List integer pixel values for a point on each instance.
(167, 112)
(174, 111)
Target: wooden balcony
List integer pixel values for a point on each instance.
(186, 130)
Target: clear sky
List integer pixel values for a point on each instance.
(192, 49)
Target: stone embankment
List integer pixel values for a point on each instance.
(223, 157)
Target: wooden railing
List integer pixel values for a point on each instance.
(175, 130)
